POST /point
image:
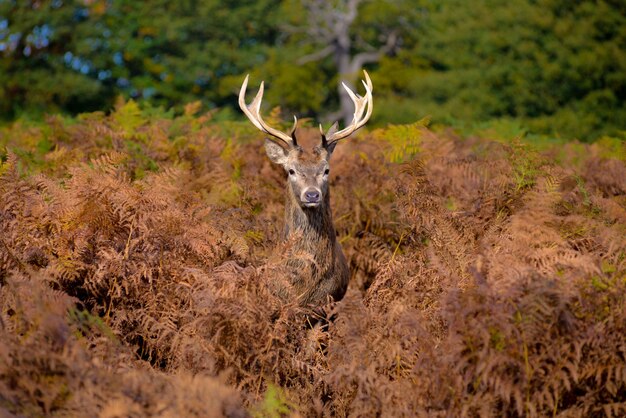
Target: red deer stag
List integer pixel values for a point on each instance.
(323, 272)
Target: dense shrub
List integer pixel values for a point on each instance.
(139, 252)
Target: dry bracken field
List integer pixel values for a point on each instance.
(139, 250)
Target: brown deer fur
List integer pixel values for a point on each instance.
(310, 231)
(317, 267)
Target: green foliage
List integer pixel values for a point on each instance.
(612, 147)
(404, 140)
(550, 67)
(525, 164)
(128, 117)
(77, 56)
(274, 404)
(556, 66)
(86, 323)
(35, 73)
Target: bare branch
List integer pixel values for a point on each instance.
(328, 23)
(363, 58)
(351, 14)
(328, 28)
(334, 116)
(318, 55)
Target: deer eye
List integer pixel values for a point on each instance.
(326, 172)
(291, 172)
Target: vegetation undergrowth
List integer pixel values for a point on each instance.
(138, 253)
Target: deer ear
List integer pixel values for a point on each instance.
(276, 153)
(330, 148)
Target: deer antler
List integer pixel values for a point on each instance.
(253, 112)
(358, 120)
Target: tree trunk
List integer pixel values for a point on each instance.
(346, 74)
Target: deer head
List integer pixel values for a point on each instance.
(307, 172)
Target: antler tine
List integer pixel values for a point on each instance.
(253, 112)
(360, 104)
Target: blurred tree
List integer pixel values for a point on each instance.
(37, 67)
(347, 35)
(557, 65)
(328, 27)
(554, 65)
(76, 55)
(176, 52)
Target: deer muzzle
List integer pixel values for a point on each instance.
(311, 197)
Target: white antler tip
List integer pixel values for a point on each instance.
(242, 92)
(244, 85)
(295, 125)
(352, 95)
(369, 80)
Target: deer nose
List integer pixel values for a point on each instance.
(312, 196)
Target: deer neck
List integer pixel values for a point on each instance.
(311, 227)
